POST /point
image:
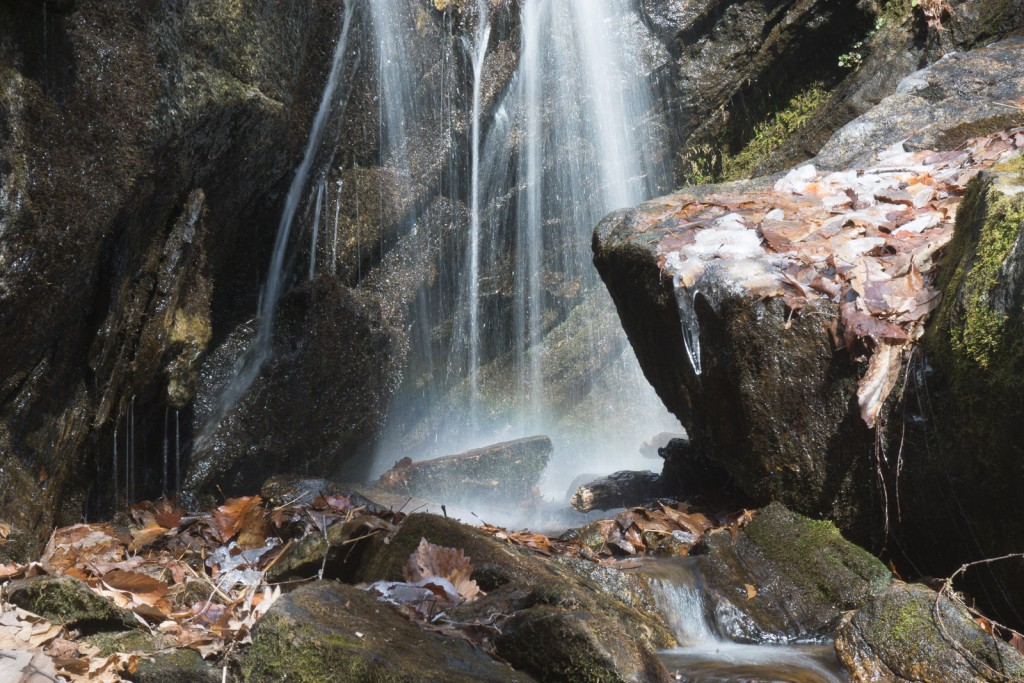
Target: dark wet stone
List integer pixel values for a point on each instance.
(330, 629)
(804, 575)
(618, 490)
(909, 633)
(503, 472)
(319, 398)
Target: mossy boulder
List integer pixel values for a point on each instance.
(333, 631)
(789, 576)
(961, 472)
(910, 633)
(69, 602)
(557, 622)
(176, 666)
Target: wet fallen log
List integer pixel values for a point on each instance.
(502, 472)
(619, 489)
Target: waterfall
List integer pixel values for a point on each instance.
(572, 136)
(247, 367)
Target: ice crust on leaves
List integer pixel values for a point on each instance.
(865, 239)
(193, 580)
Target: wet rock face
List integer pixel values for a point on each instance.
(318, 398)
(909, 633)
(726, 57)
(803, 575)
(142, 144)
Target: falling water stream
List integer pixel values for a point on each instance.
(247, 367)
(571, 137)
(705, 656)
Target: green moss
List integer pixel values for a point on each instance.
(772, 133)
(981, 338)
(714, 162)
(283, 652)
(64, 600)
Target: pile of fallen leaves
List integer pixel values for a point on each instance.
(195, 581)
(668, 528)
(864, 239)
(199, 581)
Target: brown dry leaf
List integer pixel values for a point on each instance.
(695, 522)
(1017, 642)
(236, 514)
(73, 546)
(448, 563)
(876, 384)
(142, 587)
(10, 570)
(147, 535)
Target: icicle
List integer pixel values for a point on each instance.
(688, 320)
(177, 454)
(334, 240)
(163, 483)
(316, 229)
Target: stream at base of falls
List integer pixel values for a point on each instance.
(705, 656)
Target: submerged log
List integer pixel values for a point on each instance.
(506, 472)
(617, 490)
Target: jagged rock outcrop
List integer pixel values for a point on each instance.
(143, 149)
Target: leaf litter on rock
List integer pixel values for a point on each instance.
(864, 239)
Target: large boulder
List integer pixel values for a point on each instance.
(557, 623)
(911, 633)
(331, 630)
(767, 395)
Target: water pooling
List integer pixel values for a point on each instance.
(705, 656)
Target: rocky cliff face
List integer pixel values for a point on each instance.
(143, 150)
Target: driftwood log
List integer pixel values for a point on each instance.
(618, 490)
(503, 472)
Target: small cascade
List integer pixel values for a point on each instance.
(248, 367)
(704, 656)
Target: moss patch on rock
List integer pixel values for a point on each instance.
(804, 572)
(68, 601)
(909, 633)
(330, 630)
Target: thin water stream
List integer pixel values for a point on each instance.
(705, 656)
